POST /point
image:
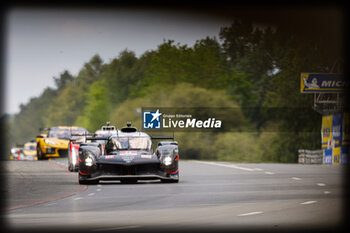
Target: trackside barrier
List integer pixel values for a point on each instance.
(310, 156)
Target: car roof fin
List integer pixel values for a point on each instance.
(128, 128)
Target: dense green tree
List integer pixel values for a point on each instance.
(300, 125)
(25, 125)
(120, 75)
(271, 61)
(71, 100)
(64, 109)
(64, 79)
(96, 109)
(203, 65)
(251, 61)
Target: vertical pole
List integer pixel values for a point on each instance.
(314, 100)
(338, 104)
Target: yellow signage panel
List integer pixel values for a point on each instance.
(326, 132)
(336, 155)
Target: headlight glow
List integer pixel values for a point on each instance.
(48, 141)
(74, 155)
(88, 161)
(167, 161)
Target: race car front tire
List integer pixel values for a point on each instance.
(83, 180)
(39, 152)
(170, 181)
(173, 180)
(128, 181)
(70, 167)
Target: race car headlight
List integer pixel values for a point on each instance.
(167, 161)
(48, 141)
(88, 161)
(74, 154)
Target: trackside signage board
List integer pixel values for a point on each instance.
(315, 82)
(337, 123)
(335, 138)
(335, 130)
(326, 133)
(346, 129)
(327, 156)
(344, 154)
(336, 155)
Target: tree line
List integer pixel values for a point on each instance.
(255, 69)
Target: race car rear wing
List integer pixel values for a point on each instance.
(88, 137)
(152, 137)
(79, 135)
(82, 135)
(98, 138)
(162, 137)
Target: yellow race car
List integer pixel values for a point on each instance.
(53, 142)
(29, 151)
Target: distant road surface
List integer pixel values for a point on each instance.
(210, 196)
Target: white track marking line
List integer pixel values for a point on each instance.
(227, 165)
(326, 192)
(78, 198)
(99, 186)
(91, 194)
(50, 204)
(205, 204)
(296, 178)
(249, 214)
(99, 190)
(321, 184)
(308, 202)
(115, 228)
(269, 173)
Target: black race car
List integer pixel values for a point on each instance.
(129, 157)
(77, 139)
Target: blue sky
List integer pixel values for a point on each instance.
(42, 43)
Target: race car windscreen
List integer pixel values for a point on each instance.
(65, 133)
(29, 147)
(130, 143)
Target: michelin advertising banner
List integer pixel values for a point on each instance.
(314, 82)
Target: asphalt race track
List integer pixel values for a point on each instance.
(210, 195)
